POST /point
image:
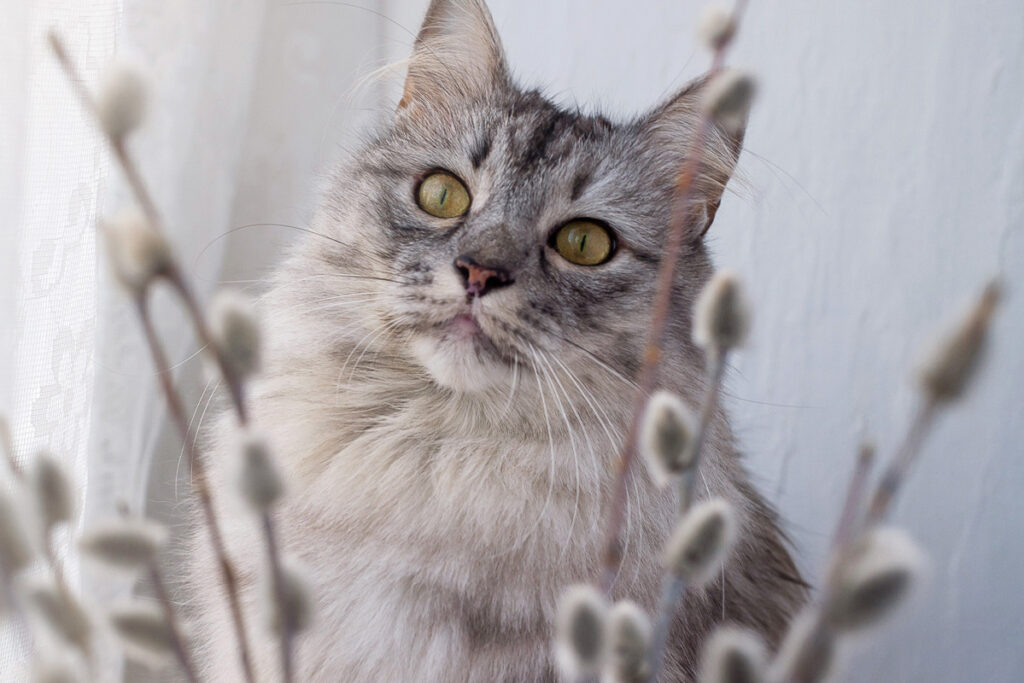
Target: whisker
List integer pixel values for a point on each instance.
(615, 373)
(548, 376)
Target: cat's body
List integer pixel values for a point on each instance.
(450, 455)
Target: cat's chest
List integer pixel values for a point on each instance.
(449, 544)
(476, 494)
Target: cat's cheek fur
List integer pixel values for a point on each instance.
(455, 364)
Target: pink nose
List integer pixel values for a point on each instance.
(479, 280)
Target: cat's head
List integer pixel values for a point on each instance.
(490, 228)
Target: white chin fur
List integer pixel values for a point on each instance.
(454, 363)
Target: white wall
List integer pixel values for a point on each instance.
(885, 167)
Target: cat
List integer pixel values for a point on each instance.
(449, 373)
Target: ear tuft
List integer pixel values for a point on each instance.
(672, 127)
(457, 55)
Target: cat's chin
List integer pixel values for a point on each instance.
(457, 364)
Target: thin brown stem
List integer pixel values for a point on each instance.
(277, 576)
(707, 414)
(199, 482)
(681, 217)
(848, 529)
(202, 330)
(173, 275)
(894, 476)
(674, 586)
(145, 199)
(846, 526)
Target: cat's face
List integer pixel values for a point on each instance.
(507, 232)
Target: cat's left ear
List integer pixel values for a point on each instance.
(458, 55)
(671, 129)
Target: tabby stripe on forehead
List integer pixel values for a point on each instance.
(580, 184)
(545, 134)
(483, 148)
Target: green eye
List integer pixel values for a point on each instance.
(584, 243)
(443, 195)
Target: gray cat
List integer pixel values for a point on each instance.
(449, 375)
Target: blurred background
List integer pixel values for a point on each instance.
(882, 183)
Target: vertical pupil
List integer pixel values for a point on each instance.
(444, 195)
(583, 241)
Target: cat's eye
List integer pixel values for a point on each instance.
(584, 243)
(443, 195)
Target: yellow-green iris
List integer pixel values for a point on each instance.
(443, 195)
(584, 243)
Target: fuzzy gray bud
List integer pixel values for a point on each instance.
(580, 632)
(873, 577)
(16, 551)
(259, 480)
(722, 313)
(629, 639)
(727, 99)
(701, 541)
(716, 27)
(235, 331)
(121, 101)
(138, 251)
(733, 655)
(127, 544)
(667, 437)
(952, 361)
(60, 611)
(144, 631)
(53, 491)
(294, 606)
(807, 651)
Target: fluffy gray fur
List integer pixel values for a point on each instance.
(447, 483)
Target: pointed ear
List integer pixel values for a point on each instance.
(457, 55)
(672, 129)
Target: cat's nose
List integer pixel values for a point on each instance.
(479, 280)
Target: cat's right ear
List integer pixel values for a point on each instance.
(457, 55)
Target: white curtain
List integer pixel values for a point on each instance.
(248, 100)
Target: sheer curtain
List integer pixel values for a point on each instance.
(249, 99)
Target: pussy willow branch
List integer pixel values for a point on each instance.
(673, 586)
(49, 550)
(847, 523)
(684, 194)
(287, 625)
(236, 389)
(163, 596)
(897, 471)
(199, 479)
(233, 381)
(846, 527)
(851, 524)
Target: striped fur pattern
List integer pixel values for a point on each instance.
(446, 484)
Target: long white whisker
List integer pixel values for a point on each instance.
(551, 467)
(512, 391)
(548, 376)
(181, 454)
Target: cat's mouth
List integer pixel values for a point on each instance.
(460, 354)
(465, 326)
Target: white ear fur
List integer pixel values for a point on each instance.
(457, 55)
(672, 126)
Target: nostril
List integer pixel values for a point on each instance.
(479, 280)
(463, 269)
